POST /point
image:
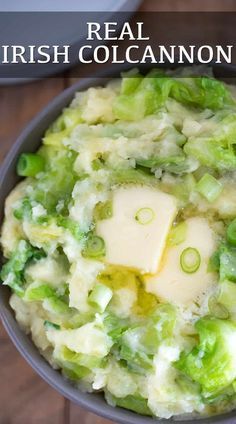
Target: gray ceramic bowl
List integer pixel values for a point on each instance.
(30, 140)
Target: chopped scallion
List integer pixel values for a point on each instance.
(30, 164)
(94, 247)
(190, 260)
(209, 187)
(103, 210)
(144, 216)
(100, 297)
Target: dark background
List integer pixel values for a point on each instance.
(24, 397)
(185, 28)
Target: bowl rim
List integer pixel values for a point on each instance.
(92, 402)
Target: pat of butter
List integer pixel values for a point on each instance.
(135, 236)
(174, 285)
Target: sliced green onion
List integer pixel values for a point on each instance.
(103, 210)
(209, 187)
(145, 216)
(100, 297)
(94, 247)
(190, 260)
(30, 164)
(51, 325)
(177, 234)
(231, 233)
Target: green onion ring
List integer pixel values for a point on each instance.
(144, 216)
(190, 260)
(94, 247)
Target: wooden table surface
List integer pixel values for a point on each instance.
(24, 397)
